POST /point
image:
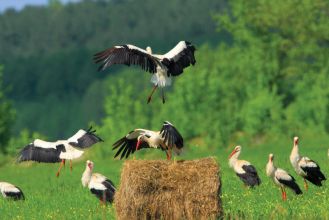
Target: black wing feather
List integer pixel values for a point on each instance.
(38, 154)
(171, 135)
(109, 184)
(314, 174)
(127, 146)
(87, 140)
(185, 59)
(15, 195)
(291, 184)
(250, 177)
(127, 56)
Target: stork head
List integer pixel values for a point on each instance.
(140, 139)
(148, 50)
(90, 164)
(236, 150)
(295, 140)
(270, 157)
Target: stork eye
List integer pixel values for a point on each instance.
(147, 135)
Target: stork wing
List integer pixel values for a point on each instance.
(128, 55)
(171, 136)
(84, 139)
(286, 179)
(41, 151)
(181, 56)
(311, 168)
(127, 144)
(109, 184)
(282, 176)
(250, 169)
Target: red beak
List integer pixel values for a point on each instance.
(89, 165)
(138, 144)
(233, 152)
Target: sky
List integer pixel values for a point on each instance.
(19, 4)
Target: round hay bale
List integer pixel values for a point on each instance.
(159, 189)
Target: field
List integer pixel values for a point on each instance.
(48, 197)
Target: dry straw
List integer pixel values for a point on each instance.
(159, 189)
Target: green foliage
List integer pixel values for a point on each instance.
(7, 116)
(254, 89)
(48, 52)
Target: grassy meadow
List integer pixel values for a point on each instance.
(48, 197)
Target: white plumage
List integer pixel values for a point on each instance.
(59, 151)
(98, 184)
(167, 139)
(243, 169)
(305, 167)
(281, 178)
(163, 67)
(9, 190)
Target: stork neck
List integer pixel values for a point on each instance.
(294, 156)
(86, 176)
(234, 159)
(270, 169)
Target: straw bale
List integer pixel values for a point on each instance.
(160, 189)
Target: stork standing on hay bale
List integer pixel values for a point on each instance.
(305, 167)
(243, 168)
(163, 67)
(167, 139)
(281, 178)
(98, 184)
(59, 151)
(8, 190)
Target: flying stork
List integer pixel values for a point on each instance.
(281, 178)
(163, 67)
(167, 139)
(99, 185)
(305, 167)
(243, 169)
(59, 151)
(8, 190)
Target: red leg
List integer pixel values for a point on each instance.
(150, 96)
(168, 153)
(60, 167)
(305, 184)
(284, 195)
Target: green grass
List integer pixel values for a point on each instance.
(48, 197)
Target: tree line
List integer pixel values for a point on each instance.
(262, 75)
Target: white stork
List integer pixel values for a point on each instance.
(281, 178)
(8, 190)
(305, 167)
(167, 139)
(99, 185)
(163, 67)
(59, 151)
(243, 169)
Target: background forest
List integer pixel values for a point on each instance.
(262, 70)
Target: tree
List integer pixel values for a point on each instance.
(287, 42)
(6, 117)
